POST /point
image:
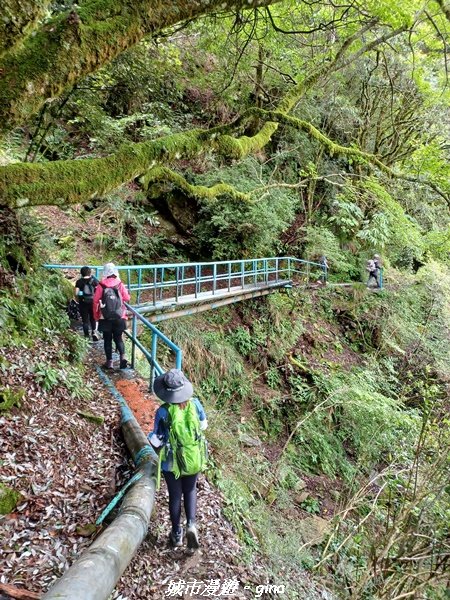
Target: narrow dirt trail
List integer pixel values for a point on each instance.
(221, 567)
(157, 568)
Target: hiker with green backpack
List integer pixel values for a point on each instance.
(178, 436)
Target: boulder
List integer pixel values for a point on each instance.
(313, 529)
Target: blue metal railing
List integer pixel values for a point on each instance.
(154, 284)
(152, 356)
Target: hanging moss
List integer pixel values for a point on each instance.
(9, 499)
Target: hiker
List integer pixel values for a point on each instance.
(377, 260)
(324, 275)
(84, 297)
(373, 272)
(111, 313)
(177, 433)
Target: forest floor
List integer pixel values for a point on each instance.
(67, 469)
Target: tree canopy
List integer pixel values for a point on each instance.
(298, 47)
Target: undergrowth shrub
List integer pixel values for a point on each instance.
(33, 309)
(230, 229)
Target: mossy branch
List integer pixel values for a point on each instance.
(316, 134)
(71, 181)
(335, 149)
(18, 19)
(163, 174)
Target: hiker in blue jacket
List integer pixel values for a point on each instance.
(176, 391)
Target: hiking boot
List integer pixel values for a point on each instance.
(109, 364)
(192, 536)
(95, 336)
(176, 538)
(123, 363)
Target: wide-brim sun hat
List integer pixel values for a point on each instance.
(173, 387)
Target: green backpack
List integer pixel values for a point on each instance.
(186, 440)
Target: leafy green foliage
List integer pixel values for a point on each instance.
(233, 229)
(320, 241)
(35, 309)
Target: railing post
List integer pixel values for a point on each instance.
(162, 284)
(128, 279)
(138, 295)
(178, 359)
(182, 280)
(229, 276)
(177, 282)
(276, 269)
(289, 267)
(242, 274)
(133, 341)
(214, 278)
(154, 286)
(152, 365)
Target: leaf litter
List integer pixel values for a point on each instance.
(68, 469)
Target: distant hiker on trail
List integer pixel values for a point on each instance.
(111, 313)
(325, 267)
(177, 431)
(84, 296)
(373, 271)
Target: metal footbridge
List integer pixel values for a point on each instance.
(164, 291)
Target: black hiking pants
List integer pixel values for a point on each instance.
(186, 487)
(112, 330)
(87, 316)
(373, 275)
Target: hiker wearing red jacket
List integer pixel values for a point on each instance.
(111, 313)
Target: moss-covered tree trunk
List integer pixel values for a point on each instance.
(17, 18)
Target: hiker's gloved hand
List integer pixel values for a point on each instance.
(155, 440)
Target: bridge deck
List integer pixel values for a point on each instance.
(209, 296)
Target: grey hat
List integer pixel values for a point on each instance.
(173, 387)
(109, 270)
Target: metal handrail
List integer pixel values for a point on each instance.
(151, 356)
(187, 264)
(190, 279)
(194, 278)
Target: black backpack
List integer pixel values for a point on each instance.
(88, 290)
(111, 304)
(73, 311)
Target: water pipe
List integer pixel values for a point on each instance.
(95, 573)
